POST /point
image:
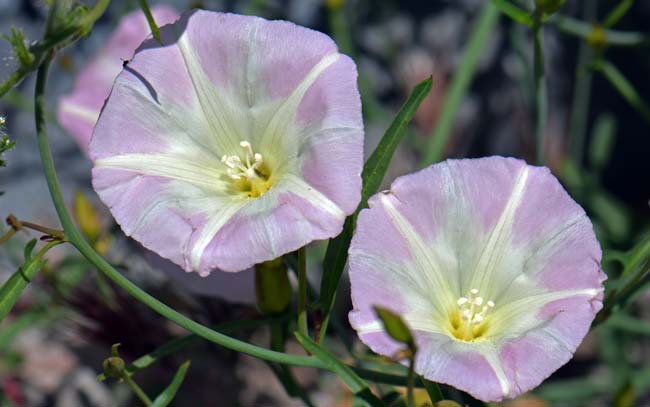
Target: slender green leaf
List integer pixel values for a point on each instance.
(435, 394)
(481, 33)
(602, 141)
(624, 87)
(155, 31)
(372, 176)
(347, 375)
(168, 394)
(617, 13)
(29, 248)
(14, 286)
(378, 162)
(514, 12)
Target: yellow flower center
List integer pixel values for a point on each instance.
(251, 175)
(468, 320)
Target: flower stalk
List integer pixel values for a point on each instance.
(302, 292)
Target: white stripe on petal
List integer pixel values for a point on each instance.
(285, 115)
(490, 353)
(522, 315)
(201, 174)
(421, 253)
(299, 187)
(217, 219)
(220, 112)
(498, 242)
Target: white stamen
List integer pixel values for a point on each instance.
(472, 309)
(237, 169)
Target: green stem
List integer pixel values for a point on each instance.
(581, 93)
(302, 292)
(77, 240)
(541, 98)
(410, 400)
(155, 31)
(137, 390)
(460, 83)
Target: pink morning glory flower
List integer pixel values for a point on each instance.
(78, 111)
(492, 265)
(237, 141)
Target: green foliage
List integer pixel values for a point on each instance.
(19, 46)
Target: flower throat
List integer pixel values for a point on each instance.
(250, 174)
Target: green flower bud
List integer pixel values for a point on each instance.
(395, 327)
(113, 367)
(272, 286)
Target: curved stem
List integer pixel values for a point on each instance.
(302, 292)
(137, 390)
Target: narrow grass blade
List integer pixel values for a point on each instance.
(167, 395)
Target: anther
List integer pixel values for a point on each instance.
(473, 310)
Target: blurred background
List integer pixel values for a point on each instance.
(596, 140)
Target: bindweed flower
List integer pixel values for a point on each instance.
(235, 142)
(77, 112)
(493, 266)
